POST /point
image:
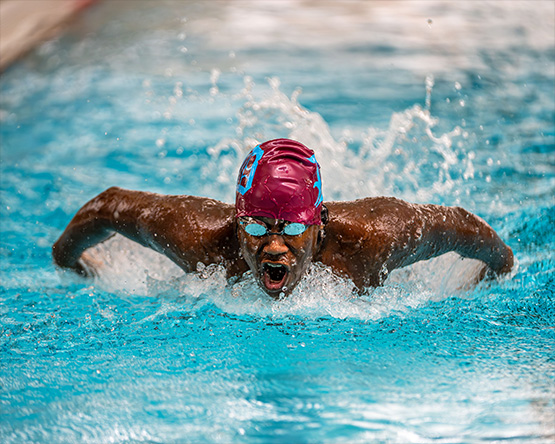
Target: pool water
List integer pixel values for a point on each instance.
(444, 102)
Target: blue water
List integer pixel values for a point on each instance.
(444, 102)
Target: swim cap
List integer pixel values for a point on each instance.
(280, 179)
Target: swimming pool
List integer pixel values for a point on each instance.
(427, 101)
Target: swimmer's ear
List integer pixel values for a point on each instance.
(325, 217)
(321, 236)
(324, 214)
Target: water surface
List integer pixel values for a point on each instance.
(448, 103)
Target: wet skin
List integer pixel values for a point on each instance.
(364, 239)
(278, 261)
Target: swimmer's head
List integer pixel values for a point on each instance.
(280, 179)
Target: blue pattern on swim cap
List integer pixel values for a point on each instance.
(249, 172)
(318, 183)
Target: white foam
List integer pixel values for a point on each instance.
(123, 266)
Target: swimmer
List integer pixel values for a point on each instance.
(280, 224)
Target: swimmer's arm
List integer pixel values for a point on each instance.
(435, 230)
(184, 228)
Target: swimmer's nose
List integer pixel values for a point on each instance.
(275, 246)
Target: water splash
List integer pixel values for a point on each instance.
(407, 160)
(122, 266)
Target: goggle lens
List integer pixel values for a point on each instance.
(255, 229)
(294, 229)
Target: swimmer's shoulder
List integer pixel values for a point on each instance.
(196, 229)
(182, 207)
(368, 210)
(358, 238)
(370, 222)
(205, 217)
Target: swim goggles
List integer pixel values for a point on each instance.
(259, 230)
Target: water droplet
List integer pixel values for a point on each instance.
(429, 87)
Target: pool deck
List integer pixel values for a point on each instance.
(27, 23)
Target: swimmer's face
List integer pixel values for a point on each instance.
(277, 261)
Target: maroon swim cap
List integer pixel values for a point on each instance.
(280, 179)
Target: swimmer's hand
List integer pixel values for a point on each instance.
(89, 264)
(64, 262)
(86, 266)
(506, 265)
(92, 225)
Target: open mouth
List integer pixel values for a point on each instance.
(274, 275)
